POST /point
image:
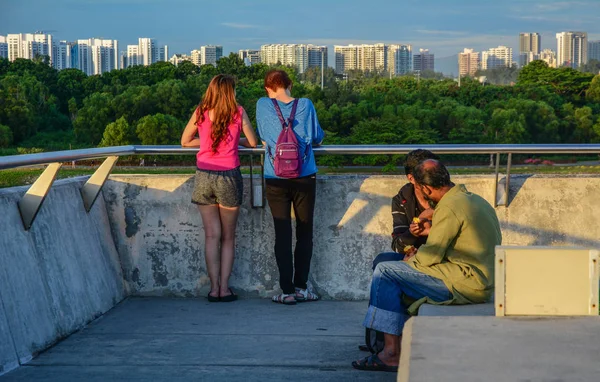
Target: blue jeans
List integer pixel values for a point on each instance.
(387, 256)
(392, 280)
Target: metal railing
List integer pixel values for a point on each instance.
(33, 199)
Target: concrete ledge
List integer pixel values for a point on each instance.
(499, 349)
(457, 310)
(159, 233)
(58, 276)
(8, 355)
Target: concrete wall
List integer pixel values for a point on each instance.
(159, 233)
(56, 277)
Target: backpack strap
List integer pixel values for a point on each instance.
(290, 121)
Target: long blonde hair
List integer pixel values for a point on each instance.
(220, 98)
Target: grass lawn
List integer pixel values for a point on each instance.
(19, 177)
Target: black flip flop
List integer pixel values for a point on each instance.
(363, 348)
(213, 298)
(229, 298)
(373, 363)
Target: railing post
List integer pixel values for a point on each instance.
(31, 202)
(496, 184)
(91, 189)
(507, 189)
(256, 190)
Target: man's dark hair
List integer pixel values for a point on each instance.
(432, 173)
(415, 157)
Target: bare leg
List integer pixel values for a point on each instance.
(390, 355)
(229, 216)
(212, 231)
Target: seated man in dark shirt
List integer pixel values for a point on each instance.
(406, 206)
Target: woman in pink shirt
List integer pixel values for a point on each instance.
(215, 127)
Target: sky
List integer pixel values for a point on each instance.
(445, 27)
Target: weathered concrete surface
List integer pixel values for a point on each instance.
(190, 339)
(8, 355)
(457, 310)
(159, 233)
(59, 275)
(474, 349)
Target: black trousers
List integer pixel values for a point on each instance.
(282, 195)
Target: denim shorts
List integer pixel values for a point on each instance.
(225, 188)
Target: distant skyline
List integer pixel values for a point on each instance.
(441, 26)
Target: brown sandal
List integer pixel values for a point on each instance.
(285, 299)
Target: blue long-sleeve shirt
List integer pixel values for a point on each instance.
(306, 126)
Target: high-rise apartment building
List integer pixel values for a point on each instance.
(571, 49)
(146, 52)
(29, 46)
(549, 57)
(210, 54)
(62, 51)
(593, 50)
(132, 55)
(496, 58)
(396, 59)
(3, 47)
(399, 59)
(468, 62)
(317, 56)
(96, 56)
(196, 57)
(206, 55)
(423, 60)
(295, 55)
(346, 58)
(250, 56)
(373, 58)
(529, 47)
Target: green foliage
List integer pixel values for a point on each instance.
(593, 92)
(118, 133)
(96, 113)
(6, 136)
(159, 129)
(44, 108)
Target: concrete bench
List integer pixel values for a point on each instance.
(457, 310)
(473, 349)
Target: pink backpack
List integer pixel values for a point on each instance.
(287, 161)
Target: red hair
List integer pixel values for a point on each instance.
(276, 79)
(220, 98)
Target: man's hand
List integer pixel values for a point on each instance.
(410, 253)
(420, 229)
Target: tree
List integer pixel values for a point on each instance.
(159, 129)
(92, 118)
(71, 85)
(118, 133)
(232, 64)
(6, 136)
(593, 92)
(186, 69)
(507, 126)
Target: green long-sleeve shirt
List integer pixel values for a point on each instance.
(460, 247)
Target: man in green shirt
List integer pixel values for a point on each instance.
(454, 266)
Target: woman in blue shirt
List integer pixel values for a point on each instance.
(283, 193)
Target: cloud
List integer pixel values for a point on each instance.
(555, 6)
(242, 26)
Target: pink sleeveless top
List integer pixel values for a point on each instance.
(226, 157)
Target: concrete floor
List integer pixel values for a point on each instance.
(190, 339)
